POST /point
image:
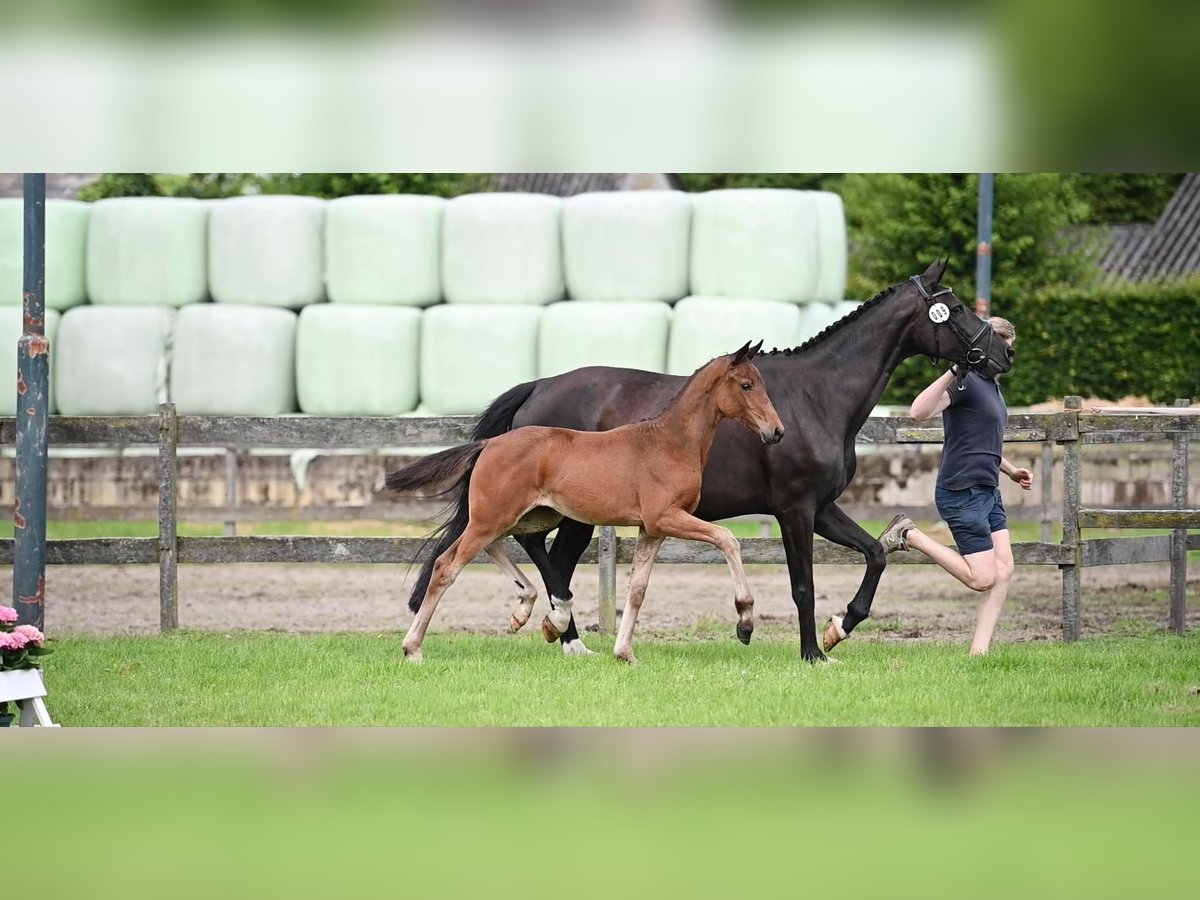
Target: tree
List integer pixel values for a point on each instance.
(900, 223)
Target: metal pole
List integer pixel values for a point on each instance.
(33, 431)
(1179, 492)
(983, 249)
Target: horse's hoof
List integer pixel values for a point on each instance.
(743, 634)
(549, 632)
(515, 624)
(576, 648)
(834, 633)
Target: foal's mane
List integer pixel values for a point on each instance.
(683, 387)
(830, 329)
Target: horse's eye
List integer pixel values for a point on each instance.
(747, 386)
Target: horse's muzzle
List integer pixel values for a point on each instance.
(773, 437)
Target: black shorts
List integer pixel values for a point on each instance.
(973, 514)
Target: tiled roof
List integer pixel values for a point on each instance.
(561, 184)
(1169, 248)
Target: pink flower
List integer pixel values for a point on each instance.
(34, 636)
(13, 641)
(8, 615)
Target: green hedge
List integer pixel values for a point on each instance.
(1141, 340)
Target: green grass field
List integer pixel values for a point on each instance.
(266, 679)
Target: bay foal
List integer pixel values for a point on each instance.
(645, 474)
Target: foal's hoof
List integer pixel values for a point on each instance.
(549, 632)
(744, 633)
(834, 633)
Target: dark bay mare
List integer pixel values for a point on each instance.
(823, 391)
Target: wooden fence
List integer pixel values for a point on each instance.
(1071, 429)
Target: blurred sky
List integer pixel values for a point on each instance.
(664, 85)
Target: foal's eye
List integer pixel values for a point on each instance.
(747, 386)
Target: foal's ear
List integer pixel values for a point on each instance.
(935, 272)
(746, 353)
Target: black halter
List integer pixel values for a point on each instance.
(975, 353)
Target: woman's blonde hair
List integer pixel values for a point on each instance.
(1003, 328)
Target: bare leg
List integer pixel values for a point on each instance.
(445, 570)
(683, 525)
(989, 609)
(526, 592)
(643, 561)
(976, 570)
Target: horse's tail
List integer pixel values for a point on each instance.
(498, 417)
(436, 469)
(456, 463)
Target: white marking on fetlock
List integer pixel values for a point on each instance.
(576, 648)
(560, 615)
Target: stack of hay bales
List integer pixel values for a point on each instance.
(390, 305)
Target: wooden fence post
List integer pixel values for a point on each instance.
(1070, 524)
(607, 558)
(1047, 488)
(1179, 491)
(231, 473)
(168, 495)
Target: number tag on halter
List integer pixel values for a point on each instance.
(939, 313)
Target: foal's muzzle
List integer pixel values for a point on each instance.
(772, 437)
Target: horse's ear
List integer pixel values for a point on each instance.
(743, 354)
(934, 273)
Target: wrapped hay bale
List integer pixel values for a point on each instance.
(471, 354)
(66, 244)
(267, 250)
(502, 248)
(148, 250)
(357, 360)
(111, 360)
(234, 360)
(385, 249)
(629, 334)
(704, 327)
(769, 244)
(627, 245)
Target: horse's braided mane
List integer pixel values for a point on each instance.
(830, 329)
(815, 339)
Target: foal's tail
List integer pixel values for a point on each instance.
(457, 463)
